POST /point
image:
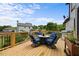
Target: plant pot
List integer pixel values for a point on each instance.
(72, 49)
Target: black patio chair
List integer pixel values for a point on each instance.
(52, 40)
(35, 41)
(39, 33)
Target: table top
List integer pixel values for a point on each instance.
(46, 36)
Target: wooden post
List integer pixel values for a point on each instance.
(13, 40)
(0, 42)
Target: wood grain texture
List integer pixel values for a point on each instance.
(25, 49)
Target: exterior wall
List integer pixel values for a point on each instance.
(24, 29)
(74, 19)
(73, 23)
(77, 22)
(69, 25)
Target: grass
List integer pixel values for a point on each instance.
(5, 41)
(21, 37)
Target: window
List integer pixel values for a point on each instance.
(29, 27)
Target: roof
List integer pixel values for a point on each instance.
(66, 20)
(24, 24)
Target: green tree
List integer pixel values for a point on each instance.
(40, 27)
(35, 27)
(61, 27)
(52, 26)
(3, 27)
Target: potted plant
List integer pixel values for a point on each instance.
(70, 45)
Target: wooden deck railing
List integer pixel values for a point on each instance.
(9, 39)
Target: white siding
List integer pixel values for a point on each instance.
(72, 23)
(24, 29)
(69, 25)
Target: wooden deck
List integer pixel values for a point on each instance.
(25, 49)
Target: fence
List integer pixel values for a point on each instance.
(9, 39)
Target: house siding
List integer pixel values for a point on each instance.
(24, 27)
(73, 23)
(69, 25)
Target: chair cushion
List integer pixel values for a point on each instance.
(37, 39)
(52, 38)
(53, 34)
(38, 33)
(34, 40)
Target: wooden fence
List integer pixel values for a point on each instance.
(10, 39)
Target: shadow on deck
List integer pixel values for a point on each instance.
(25, 49)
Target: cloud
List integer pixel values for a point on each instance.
(4, 20)
(10, 13)
(18, 9)
(42, 21)
(34, 6)
(28, 11)
(38, 21)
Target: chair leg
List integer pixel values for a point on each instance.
(33, 45)
(53, 47)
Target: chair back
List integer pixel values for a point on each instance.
(32, 37)
(39, 33)
(55, 41)
(53, 34)
(54, 37)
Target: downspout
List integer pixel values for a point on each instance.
(69, 10)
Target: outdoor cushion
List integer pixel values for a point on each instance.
(34, 40)
(52, 39)
(39, 33)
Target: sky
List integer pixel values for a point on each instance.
(35, 13)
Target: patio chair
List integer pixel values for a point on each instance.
(52, 40)
(35, 41)
(39, 33)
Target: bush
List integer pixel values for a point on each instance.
(20, 37)
(58, 35)
(71, 38)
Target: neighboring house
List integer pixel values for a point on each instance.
(9, 29)
(72, 22)
(24, 27)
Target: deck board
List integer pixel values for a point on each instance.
(25, 49)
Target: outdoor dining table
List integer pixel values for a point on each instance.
(43, 38)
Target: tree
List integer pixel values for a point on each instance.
(3, 27)
(61, 27)
(44, 27)
(41, 27)
(35, 27)
(52, 26)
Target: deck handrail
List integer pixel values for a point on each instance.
(11, 35)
